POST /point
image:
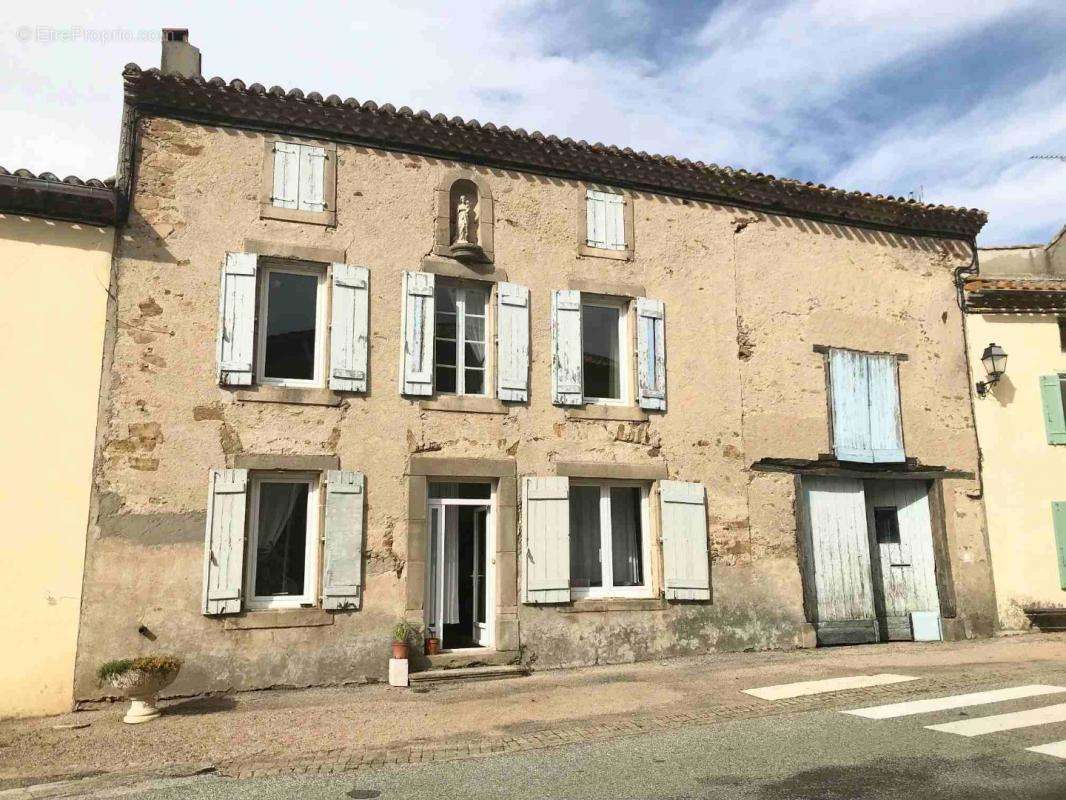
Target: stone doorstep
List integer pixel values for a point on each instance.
(470, 658)
(470, 673)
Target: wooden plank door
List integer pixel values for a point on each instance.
(901, 537)
(838, 565)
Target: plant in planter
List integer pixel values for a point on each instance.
(140, 679)
(401, 638)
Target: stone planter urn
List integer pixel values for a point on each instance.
(141, 682)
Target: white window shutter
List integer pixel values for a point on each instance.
(312, 178)
(651, 353)
(286, 192)
(227, 501)
(886, 431)
(615, 229)
(596, 218)
(851, 406)
(686, 566)
(236, 320)
(512, 342)
(546, 532)
(416, 368)
(342, 559)
(349, 328)
(566, 348)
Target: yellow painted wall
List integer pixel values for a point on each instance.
(1023, 474)
(52, 311)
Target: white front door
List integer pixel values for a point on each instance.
(479, 577)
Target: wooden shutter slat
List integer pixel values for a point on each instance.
(615, 230)
(349, 328)
(566, 348)
(227, 501)
(886, 431)
(416, 368)
(312, 178)
(851, 406)
(286, 192)
(512, 342)
(651, 353)
(546, 532)
(236, 319)
(686, 564)
(595, 216)
(1051, 397)
(342, 558)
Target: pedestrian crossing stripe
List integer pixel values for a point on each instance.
(1004, 722)
(1057, 749)
(954, 701)
(805, 688)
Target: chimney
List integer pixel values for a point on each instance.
(179, 57)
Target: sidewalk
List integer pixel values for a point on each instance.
(328, 730)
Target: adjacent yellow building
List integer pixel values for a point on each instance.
(1018, 302)
(56, 239)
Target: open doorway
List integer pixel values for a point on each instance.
(459, 602)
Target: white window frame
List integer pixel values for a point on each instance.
(461, 289)
(312, 550)
(625, 350)
(607, 589)
(321, 323)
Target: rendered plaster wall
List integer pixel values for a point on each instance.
(746, 297)
(1023, 473)
(52, 318)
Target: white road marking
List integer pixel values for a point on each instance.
(1004, 722)
(953, 701)
(1057, 749)
(786, 690)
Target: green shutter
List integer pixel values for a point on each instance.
(1058, 517)
(1051, 395)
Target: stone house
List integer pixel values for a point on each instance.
(1016, 311)
(56, 238)
(559, 403)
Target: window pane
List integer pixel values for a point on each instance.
(292, 302)
(461, 491)
(281, 540)
(475, 302)
(445, 326)
(585, 536)
(475, 355)
(627, 551)
(475, 329)
(886, 525)
(475, 381)
(599, 334)
(446, 353)
(445, 296)
(446, 379)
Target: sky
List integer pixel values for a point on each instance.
(945, 100)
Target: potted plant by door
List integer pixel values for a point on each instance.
(401, 638)
(140, 680)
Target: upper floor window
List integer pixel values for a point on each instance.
(604, 351)
(865, 407)
(1053, 398)
(299, 182)
(460, 354)
(608, 225)
(292, 310)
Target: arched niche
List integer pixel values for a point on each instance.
(464, 224)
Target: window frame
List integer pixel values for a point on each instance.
(584, 248)
(625, 349)
(267, 209)
(605, 591)
(312, 544)
(321, 271)
(462, 287)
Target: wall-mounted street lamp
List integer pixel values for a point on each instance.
(994, 360)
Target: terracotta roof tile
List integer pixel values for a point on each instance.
(234, 102)
(46, 195)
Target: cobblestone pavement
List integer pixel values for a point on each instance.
(329, 731)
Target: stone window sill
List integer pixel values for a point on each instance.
(468, 405)
(599, 411)
(286, 394)
(285, 618)
(326, 218)
(601, 252)
(604, 604)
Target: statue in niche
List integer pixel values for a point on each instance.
(464, 210)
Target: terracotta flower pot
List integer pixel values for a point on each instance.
(432, 646)
(399, 650)
(141, 687)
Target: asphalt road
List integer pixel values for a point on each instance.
(823, 755)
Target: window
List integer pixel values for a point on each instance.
(282, 540)
(605, 220)
(886, 525)
(864, 390)
(460, 352)
(299, 182)
(1062, 334)
(608, 547)
(1053, 398)
(291, 325)
(604, 346)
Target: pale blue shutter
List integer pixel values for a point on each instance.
(312, 178)
(342, 558)
(349, 328)
(566, 348)
(236, 320)
(286, 192)
(416, 357)
(596, 218)
(886, 430)
(1058, 519)
(546, 534)
(512, 342)
(851, 406)
(686, 562)
(651, 353)
(1051, 396)
(227, 500)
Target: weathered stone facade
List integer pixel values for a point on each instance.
(748, 296)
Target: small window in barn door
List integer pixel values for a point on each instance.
(886, 525)
(299, 182)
